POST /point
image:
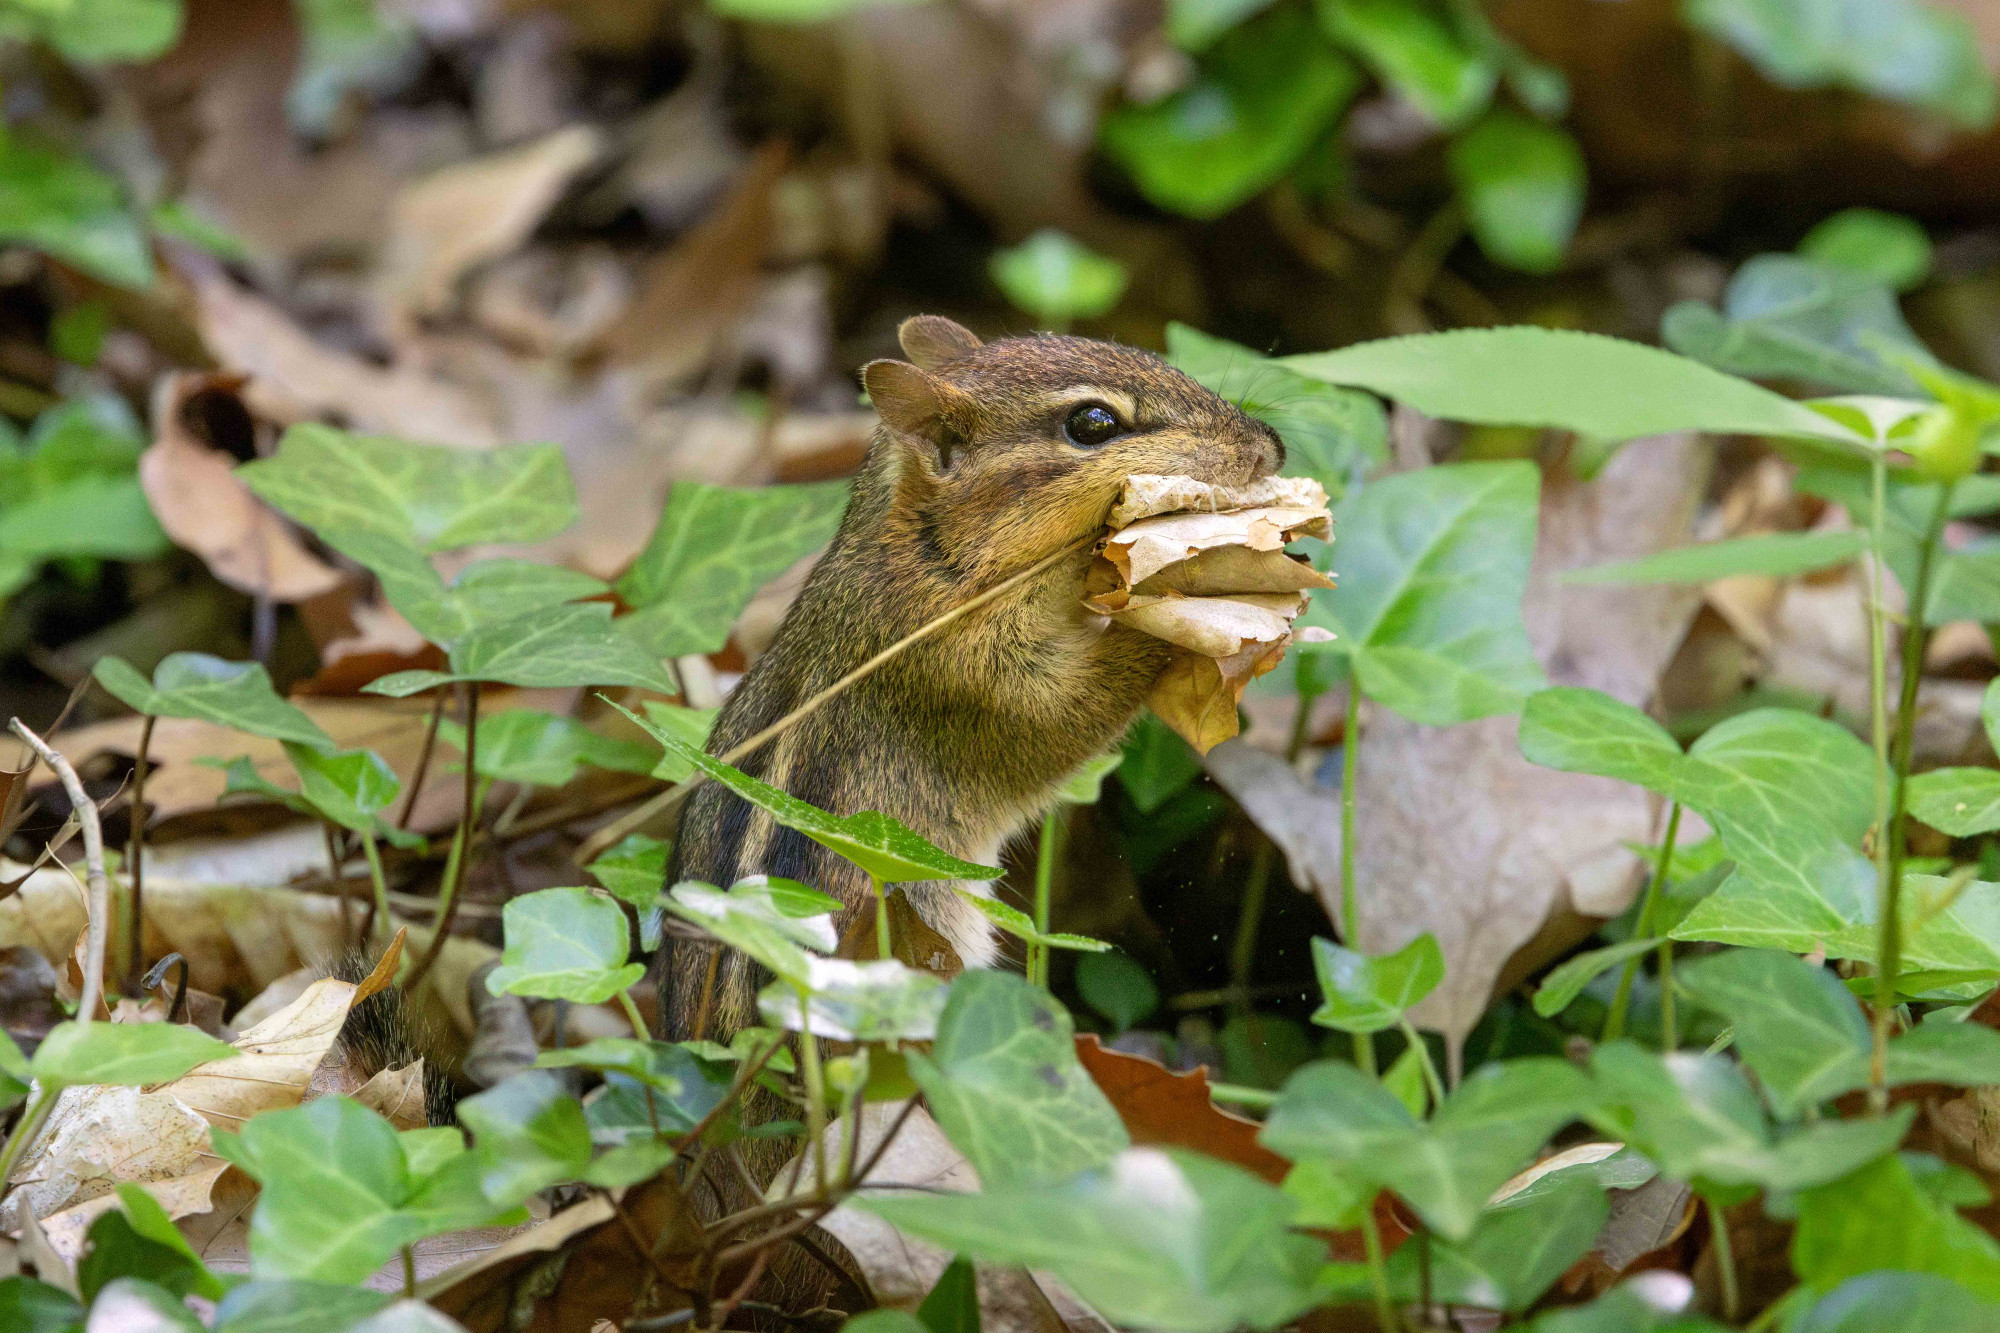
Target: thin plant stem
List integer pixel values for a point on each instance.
(883, 946)
(1378, 1271)
(1238, 1095)
(461, 843)
(379, 881)
(25, 1130)
(409, 1274)
(1670, 1037)
(1649, 906)
(1364, 1052)
(1725, 1259)
(1045, 872)
(1878, 668)
(809, 1069)
(1423, 1050)
(1243, 952)
(423, 762)
(97, 927)
(667, 800)
(1350, 743)
(135, 860)
(1889, 942)
(633, 1016)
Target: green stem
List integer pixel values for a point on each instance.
(1378, 1271)
(383, 921)
(1670, 1036)
(1889, 942)
(1725, 1259)
(1045, 870)
(1243, 952)
(1423, 1050)
(1364, 1053)
(882, 943)
(809, 1067)
(1350, 743)
(455, 864)
(1878, 669)
(409, 1274)
(1649, 906)
(1239, 1095)
(25, 1130)
(634, 1017)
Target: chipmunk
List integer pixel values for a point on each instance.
(990, 458)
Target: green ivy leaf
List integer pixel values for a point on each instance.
(879, 1000)
(1157, 764)
(1527, 376)
(713, 548)
(1565, 982)
(280, 1306)
(58, 203)
(1963, 802)
(1778, 554)
(1885, 247)
(576, 644)
(1156, 1239)
(1194, 24)
(349, 47)
(1795, 1024)
(1264, 95)
(484, 593)
(1893, 1302)
(752, 924)
(149, 1221)
(564, 944)
(1086, 785)
(1624, 1309)
(881, 845)
(95, 32)
(37, 1307)
(1784, 317)
(1516, 1253)
(131, 1054)
(1021, 926)
(1364, 993)
(1005, 1085)
(1056, 278)
(528, 1134)
(238, 695)
(529, 746)
(1895, 49)
(952, 1306)
(1447, 1168)
(1117, 987)
(350, 788)
(428, 497)
(1333, 435)
(646, 1083)
(634, 870)
(118, 1251)
(134, 1303)
(1879, 1217)
(1433, 565)
(92, 515)
(1411, 49)
(1522, 181)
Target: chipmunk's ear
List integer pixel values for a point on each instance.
(914, 402)
(932, 340)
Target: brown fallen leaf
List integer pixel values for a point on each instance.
(1160, 1106)
(97, 1137)
(193, 490)
(182, 1196)
(1148, 494)
(1197, 695)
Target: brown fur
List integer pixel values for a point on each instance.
(965, 736)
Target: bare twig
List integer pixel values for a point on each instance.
(673, 796)
(423, 762)
(93, 855)
(135, 860)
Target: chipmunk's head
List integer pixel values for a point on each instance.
(1004, 452)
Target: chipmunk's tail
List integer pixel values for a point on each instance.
(386, 1032)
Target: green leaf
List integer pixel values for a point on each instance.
(953, 1303)
(713, 548)
(1447, 1168)
(482, 594)
(349, 47)
(1624, 1309)
(230, 694)
(1565, 982)
(1796, 1026)
(295, 1307)
(1784, 317)
(149, 1221)
(1333, 435)
(1584, 382)
(692, 725)
(1433, 565)
(92, 32)
(1365, 993)
(528, 1133)
(1156, 1239)
(1895, 49)
(1194, 24)
(1522, 182)
(541, 749)
(429, 497)
(29, 1306)
(635, 870)
(881, 845)
(132, 1054)
(1878, 1218)
(1885, 247)
(1005, 1085)
(1021, 926)
(564, 944)
(58, 203)
(576, 644)
(646, 1084)
(1893, 1302)
(1263, 97)
(1779, 554)
(1086, 785)
(1409, 47)
(350, 788)
(1117, 987)
(1056, 278)
(1157, 763)
(1517, 1251)
(118, 1250)
(91, 515)
(880, 1000)
(751, 927)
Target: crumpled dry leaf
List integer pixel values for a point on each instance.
(1148, 494)
(448, 223)
(194, 492)
(101, 1135)
(1197, 695)
(181, 1196)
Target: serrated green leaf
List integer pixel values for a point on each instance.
(879, 1000)
(428, 497)
(1004, 1083)
(529, 746)
(58, 203)
(238, 695)
(1056, 278)
(883, 846)
(1433, 566)
(1368, 993)
(1156, 1239)
(1779, 554)
(1525, 376)
(713, 548)
(133, 1054)
(1411, 49)
(564, 944)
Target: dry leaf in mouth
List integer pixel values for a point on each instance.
(1204, 568)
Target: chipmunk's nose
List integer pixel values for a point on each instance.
(1266, 449)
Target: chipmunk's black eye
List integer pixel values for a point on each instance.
(1091, 425)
